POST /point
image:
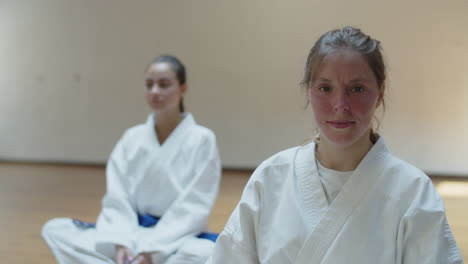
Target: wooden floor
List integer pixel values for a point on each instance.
(30, 194)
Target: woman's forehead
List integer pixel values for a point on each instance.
(344, 64)
(160, 70)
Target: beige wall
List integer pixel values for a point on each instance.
(71, 73)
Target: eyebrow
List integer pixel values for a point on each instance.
(359, 79)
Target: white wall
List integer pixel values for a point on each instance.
(71, 73)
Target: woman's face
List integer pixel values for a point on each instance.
(162, 88)
(344, 96)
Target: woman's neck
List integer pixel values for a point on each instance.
(166, 122)
(343, 158)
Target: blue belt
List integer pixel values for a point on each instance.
(145, 220)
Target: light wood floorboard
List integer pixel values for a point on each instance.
(30, 194)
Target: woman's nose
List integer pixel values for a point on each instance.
(342, 102)
(155, 89)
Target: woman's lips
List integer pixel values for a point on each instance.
(341, 124)
(157, 101)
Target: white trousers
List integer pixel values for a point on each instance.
(71, 245)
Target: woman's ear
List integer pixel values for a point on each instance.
(309, 93)
(381, 95)
(184, 88)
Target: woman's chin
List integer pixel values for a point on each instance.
(156, 107)
(164, 108)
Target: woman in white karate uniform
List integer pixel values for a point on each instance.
(343, 198)
(162, 182)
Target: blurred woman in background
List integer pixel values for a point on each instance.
(162, 181)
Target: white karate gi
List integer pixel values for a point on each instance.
(387, 212)
(178, 181)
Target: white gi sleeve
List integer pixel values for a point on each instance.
(237, 243)
(424, 235)
(117, 222)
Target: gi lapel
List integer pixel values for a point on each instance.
(330, 224)
(311, 189)
(148, 152)
(173, 144)
(176, 138)
(159, 155)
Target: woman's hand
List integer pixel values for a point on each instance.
(123, 255)
(142, 258)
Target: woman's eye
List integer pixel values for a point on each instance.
(324, 88)
(358, 89)
(164, 84)
(149, 84)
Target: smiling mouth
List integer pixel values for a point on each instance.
(341, 124)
